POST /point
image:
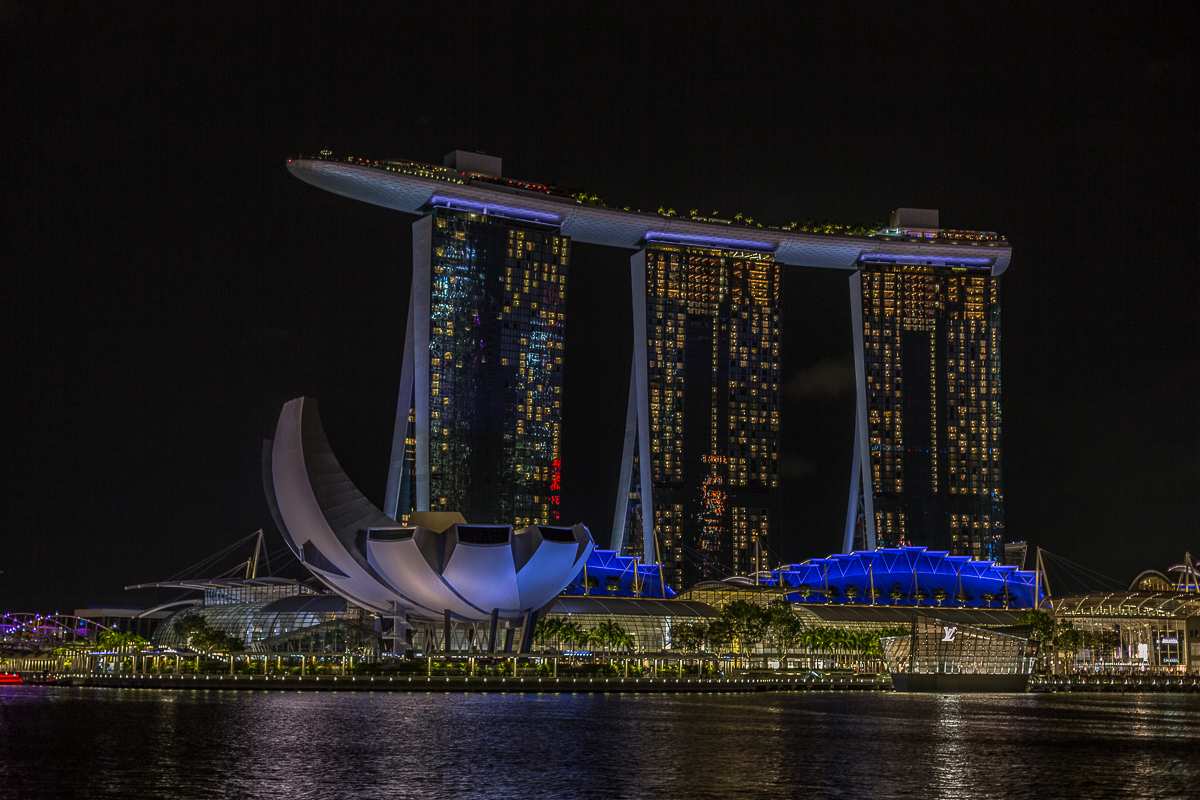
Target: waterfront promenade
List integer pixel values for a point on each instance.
(426, 683)
(668, 685)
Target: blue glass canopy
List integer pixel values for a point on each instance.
(611, 574)
(907, 576)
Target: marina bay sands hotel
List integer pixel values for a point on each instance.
(479, 415)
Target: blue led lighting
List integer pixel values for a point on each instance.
(718, 242)
(612, 575)
(913, 572)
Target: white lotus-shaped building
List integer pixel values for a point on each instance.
(438, 568)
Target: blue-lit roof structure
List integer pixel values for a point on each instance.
(608, 573)
(907, 576)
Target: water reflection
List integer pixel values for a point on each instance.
(129, 743)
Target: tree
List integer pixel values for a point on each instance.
(896, 592)
(1041, 630)
(1102, 643)
(989, 598)
(962, 597)
(747, 622)
(1041, 624)
(571, 632)
(718, 635)
(851, 592)
(784, 627)
(614, 635)
(204, 638)
(548, 628)
(1068, 640)
(613, 583)
(832, 593)
(805, 591)
(688, 636)
(118, 640)
(875, 594)
(940, 596)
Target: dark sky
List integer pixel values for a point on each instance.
(168, 285)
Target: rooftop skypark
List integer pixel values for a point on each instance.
(546, 204)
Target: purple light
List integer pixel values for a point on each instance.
(492, 209)
(719, 242)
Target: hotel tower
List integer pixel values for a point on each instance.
(927, 451)
(700, 466)
(478, 418)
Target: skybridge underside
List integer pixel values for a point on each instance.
(632, 229)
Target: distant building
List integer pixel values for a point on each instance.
(700, 471)
(478, 419)
(927, 459)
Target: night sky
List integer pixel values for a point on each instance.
(168, 285)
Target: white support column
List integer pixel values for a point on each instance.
(617, 541)
(637, 274)
(855, 492)
(398, 467)
(422, 288)
(862, 437)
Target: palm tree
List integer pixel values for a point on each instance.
(547, 628)
(572, 632)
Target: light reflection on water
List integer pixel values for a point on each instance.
(144, 743)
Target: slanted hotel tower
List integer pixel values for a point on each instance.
(927, 457)
(700, 468)
(478, 419)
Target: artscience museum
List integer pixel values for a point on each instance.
(438, 568)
